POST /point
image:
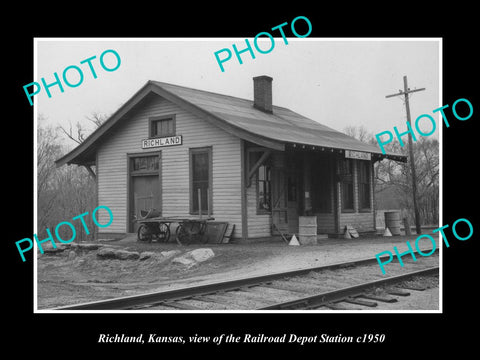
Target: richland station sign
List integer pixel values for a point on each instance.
(162, 142)
(350, 154)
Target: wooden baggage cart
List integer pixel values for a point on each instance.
(189, 229)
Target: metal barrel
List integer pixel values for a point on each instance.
(392, 221)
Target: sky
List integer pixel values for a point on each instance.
(337, 82)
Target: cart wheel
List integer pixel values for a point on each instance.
(182, 234)
(202, 234)
(143, 234)
(164, 232)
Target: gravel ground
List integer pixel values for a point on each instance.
(75, 277)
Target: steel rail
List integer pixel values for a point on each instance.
(338, 295)
(132, 301)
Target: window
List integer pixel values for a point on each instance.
(364, 184)
(346, 177)
(200, 179)
(162, 126)
(263, 181)
(145, 163)
(321, 186)
(264, 188)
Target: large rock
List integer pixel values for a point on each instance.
(86, 246)
(183, 260)
(147, 255)
(52, 250)
(72, 255)
(110, 253)
(127, 255)
(106, 253)
(170, 253)
(200, 255)
(49, 249)
(194, 257)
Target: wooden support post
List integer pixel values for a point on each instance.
(406, 225)
(90, 171)
(200, 203)
(307, 185)
(209, 213)
(243, 190)
(406, 91)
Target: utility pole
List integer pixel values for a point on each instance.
(405, 92)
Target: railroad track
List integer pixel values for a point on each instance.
(325, 287)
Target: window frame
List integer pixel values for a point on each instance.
(153, 119)
(253, 155)
(367, 166)
(144, 172)
(208, 151)
(351, 180)
(268, 171)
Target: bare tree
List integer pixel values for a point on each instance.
(48, 148)
(97, 118)
(358, 132)
(66, 192)
(78, 135)
(80, 132)
(393, 178)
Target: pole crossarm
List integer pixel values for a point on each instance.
(405, 92)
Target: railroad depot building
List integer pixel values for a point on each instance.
(258, 166)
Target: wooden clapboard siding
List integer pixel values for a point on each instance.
(360, 221)
(325, 223)
(126, 139)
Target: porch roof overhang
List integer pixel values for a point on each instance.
(280, 130)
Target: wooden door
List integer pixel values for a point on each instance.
(145, 196)
(285, 200)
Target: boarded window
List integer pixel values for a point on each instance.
(364, 184)
(346, 177)
(162, 127)
(200, 179)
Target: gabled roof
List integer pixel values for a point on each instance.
(235, 115)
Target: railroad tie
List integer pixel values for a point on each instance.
(336, 306)
(412, 287)
(181, 306)
(215, 302)
(379, 298)
(354, 300)
(285, 287)
(398, 292)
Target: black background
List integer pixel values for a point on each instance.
(63, 335)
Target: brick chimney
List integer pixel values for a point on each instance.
(262, 93)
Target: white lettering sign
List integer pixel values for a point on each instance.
(350, 154)
(160, 142)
